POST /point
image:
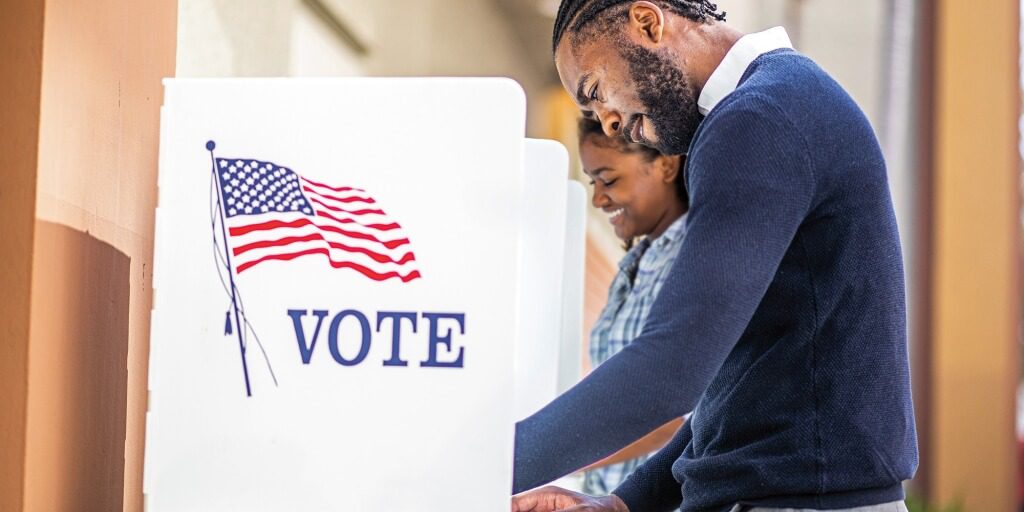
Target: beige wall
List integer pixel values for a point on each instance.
(847, 39)
(223, 38)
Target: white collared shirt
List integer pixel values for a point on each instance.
(726, 76)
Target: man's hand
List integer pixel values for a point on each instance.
(552, 499)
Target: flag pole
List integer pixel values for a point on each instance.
(210, 145)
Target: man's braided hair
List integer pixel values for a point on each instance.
(573, 15)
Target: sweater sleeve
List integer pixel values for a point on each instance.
(652, 487)
(751, 186)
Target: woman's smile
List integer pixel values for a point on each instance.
(633, 185)
(614, 215)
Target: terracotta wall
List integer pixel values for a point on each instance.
(78, 373)
(21, 45)
(597, 278)
(975, 304)
(79, 178)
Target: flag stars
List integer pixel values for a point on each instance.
(251, 187)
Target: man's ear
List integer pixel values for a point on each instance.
(669, 167)
(648, 20)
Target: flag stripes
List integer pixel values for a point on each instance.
(274, 214)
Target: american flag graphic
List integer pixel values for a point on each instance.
(274, 214)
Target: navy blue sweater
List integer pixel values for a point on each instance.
(781, 324)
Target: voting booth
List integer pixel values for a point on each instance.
(359, 286)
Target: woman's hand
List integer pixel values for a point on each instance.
(552, 499)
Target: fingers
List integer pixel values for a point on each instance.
(525, 503)
(584, 507)
(587, 507)
(553, 499)
(545, 499)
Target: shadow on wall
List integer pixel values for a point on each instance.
(78, 373)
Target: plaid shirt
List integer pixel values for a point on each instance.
(642, 271)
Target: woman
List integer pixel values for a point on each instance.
(644, 195)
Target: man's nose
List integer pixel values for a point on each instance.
(611, 122)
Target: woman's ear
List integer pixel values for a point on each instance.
(669, 167)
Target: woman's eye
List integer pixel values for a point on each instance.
(610, 182)
(592, 183)
(593, 93)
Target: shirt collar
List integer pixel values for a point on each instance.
(631, 260)
(726, 77)
(672, 233)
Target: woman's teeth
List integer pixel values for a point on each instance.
(615, 214)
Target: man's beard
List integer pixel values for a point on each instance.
(668, 96)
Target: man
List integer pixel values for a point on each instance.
(782, 323)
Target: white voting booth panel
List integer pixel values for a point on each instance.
(570, 355)
(542, 250)
(335, 295)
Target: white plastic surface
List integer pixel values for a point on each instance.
(542, 259)
(570, 358)
(443, 157)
